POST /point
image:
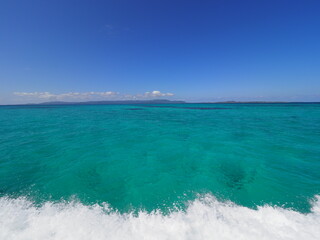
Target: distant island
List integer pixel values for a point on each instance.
(249, 102)
(156, 101)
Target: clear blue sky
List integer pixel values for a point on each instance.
(196, 50)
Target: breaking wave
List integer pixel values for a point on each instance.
(205, 218)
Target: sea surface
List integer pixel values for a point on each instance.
(176, 171)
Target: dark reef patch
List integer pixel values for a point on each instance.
(134, 109)
(192, 108)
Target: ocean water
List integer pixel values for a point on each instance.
(178, 171)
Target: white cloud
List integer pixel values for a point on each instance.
(85, 96)
(146, 95)
(35, 94)
(158, 94)
(65, 96)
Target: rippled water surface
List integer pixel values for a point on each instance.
(148, 157)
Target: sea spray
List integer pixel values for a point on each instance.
(205, 218)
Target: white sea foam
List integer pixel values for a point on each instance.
(203, 219)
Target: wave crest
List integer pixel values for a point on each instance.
(205, 218)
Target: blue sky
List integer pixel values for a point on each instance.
(192, 50)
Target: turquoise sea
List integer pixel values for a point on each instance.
(176, 171)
